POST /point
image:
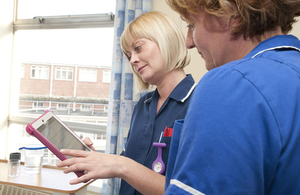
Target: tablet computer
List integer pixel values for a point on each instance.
(55, 135)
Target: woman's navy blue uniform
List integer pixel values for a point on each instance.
(147, 125)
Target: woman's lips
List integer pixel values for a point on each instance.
(141, 68)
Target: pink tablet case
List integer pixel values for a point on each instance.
(32, 131)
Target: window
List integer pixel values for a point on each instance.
(62, 106)
(64, 74)
(86, 107)
(88, 75)
(37, 105)
(106, 76)
(39, 72)
(55, 39)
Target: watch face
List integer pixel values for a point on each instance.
(157, 167)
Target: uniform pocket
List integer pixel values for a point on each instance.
(166, 150)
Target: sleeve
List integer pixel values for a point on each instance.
(226, 140)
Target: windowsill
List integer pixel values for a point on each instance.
(94, 186)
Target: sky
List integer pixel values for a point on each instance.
(72, 46)
(31, 8)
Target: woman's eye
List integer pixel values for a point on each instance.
(138, 48)
(191, 27)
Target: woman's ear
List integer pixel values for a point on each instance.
(233, 18)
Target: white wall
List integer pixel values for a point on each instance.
(197, 66)
(6, 39)
(296, 29)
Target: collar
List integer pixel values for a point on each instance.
(275, 43)
(181, 92)
(184, 89)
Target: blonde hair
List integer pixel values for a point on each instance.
(255, 16)
(161, 29)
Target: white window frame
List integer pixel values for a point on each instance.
(106, 76)
(63, 22)
(67, 21)
(61, 70)
(43, 69)
(88, 75)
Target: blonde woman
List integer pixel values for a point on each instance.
(155, 48)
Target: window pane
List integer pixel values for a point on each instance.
(27, 9)
(45, 72)
(54, 56)
(57, 76)
(70, 74)
(88, 75)
(106, 76)
(64, 75)
(33, 73)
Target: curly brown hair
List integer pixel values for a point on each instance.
(255, 16)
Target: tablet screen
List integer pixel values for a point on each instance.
(59, 136)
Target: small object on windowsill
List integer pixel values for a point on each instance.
(13, 164)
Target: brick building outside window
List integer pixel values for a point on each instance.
(64, 88)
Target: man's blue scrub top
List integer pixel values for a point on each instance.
(146, 126)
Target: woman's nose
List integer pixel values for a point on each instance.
(134, 59)
(189, 43)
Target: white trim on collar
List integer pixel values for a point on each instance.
(273, 48)
(189, 93)
(147, 100)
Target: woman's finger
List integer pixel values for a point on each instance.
(75, 153)
(83, 178)
(76, 167)
(89, 143)
(80, 157)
